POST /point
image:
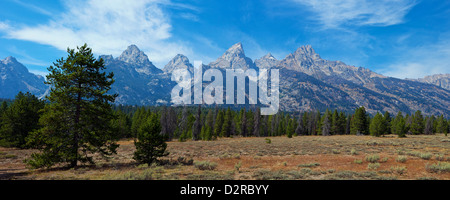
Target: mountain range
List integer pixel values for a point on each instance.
(307, 82)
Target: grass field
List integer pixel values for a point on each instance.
(273, 158)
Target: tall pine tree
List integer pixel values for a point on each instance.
(76, 121)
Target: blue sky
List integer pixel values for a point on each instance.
(398, 38)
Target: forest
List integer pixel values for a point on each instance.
(79, 118)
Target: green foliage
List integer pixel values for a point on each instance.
(150, 144)
(19, 119)
(440, 167)
(398, 126)
(205, 165)
(76, 123)
(377, 126)
(372, 158)
(121, 124)
(359, 123)
(417, 126)
(441, 126)
(226, 128)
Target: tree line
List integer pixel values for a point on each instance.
(21, 117)
(79, 118)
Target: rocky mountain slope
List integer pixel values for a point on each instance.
(307, 82)
(15, 77)
(441, 80)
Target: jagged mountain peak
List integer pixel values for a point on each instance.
(233, 58)
(269, 56)
(139, 60)
(180, 61)
(266, 62)
(9, 60)
(307, 51)
(134, 55)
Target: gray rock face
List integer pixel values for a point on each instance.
(137, 80)
(233, 58)
(266, 62)
(441, 80)
(139, 59)
(364, 87)
(15, 77)
(178, 62)
(307, 82)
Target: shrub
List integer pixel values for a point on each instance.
(335, 151)
(358, 161)
(309, 165)
(238, 166)
(268, 141)
(401, 159)
(205, 165)
(269, 175)
(399, 170)
(372, 158)
(373, 166)
(353, 152)
(425, 156)
(440, 167)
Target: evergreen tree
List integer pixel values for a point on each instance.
(208, 132)
(318, 123)
(326, 125)
(139, 118)
(20, 119)
(291, 127)
(257, 123)
(172, 121)
(417, 125)
(150, 143)
(428, 130)
(274, 125)
(226, 128)
(183, 125)
(299, 130)
(76, 121)
(219, 123)
(164, 122)
(342, 120)
(442, 126)
(197, 127)
(243, 114)
(121, 124)
(250, 122)
(359, 122)
(408, 122)
(335, 123)
(348, 124)
(264, 125)
(388, 120)
(399, 125)
(377, 125)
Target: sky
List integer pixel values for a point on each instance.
(397, 38)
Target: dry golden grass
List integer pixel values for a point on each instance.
(304, 157)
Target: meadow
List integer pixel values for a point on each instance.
(349, 157)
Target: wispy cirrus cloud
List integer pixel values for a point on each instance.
(33, 7)
(108, 26)
(340, 13)
(420, 61)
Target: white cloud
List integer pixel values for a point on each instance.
(418, 62)
(108, 26)
(4, 26)
(338, 13)
(33, 7)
